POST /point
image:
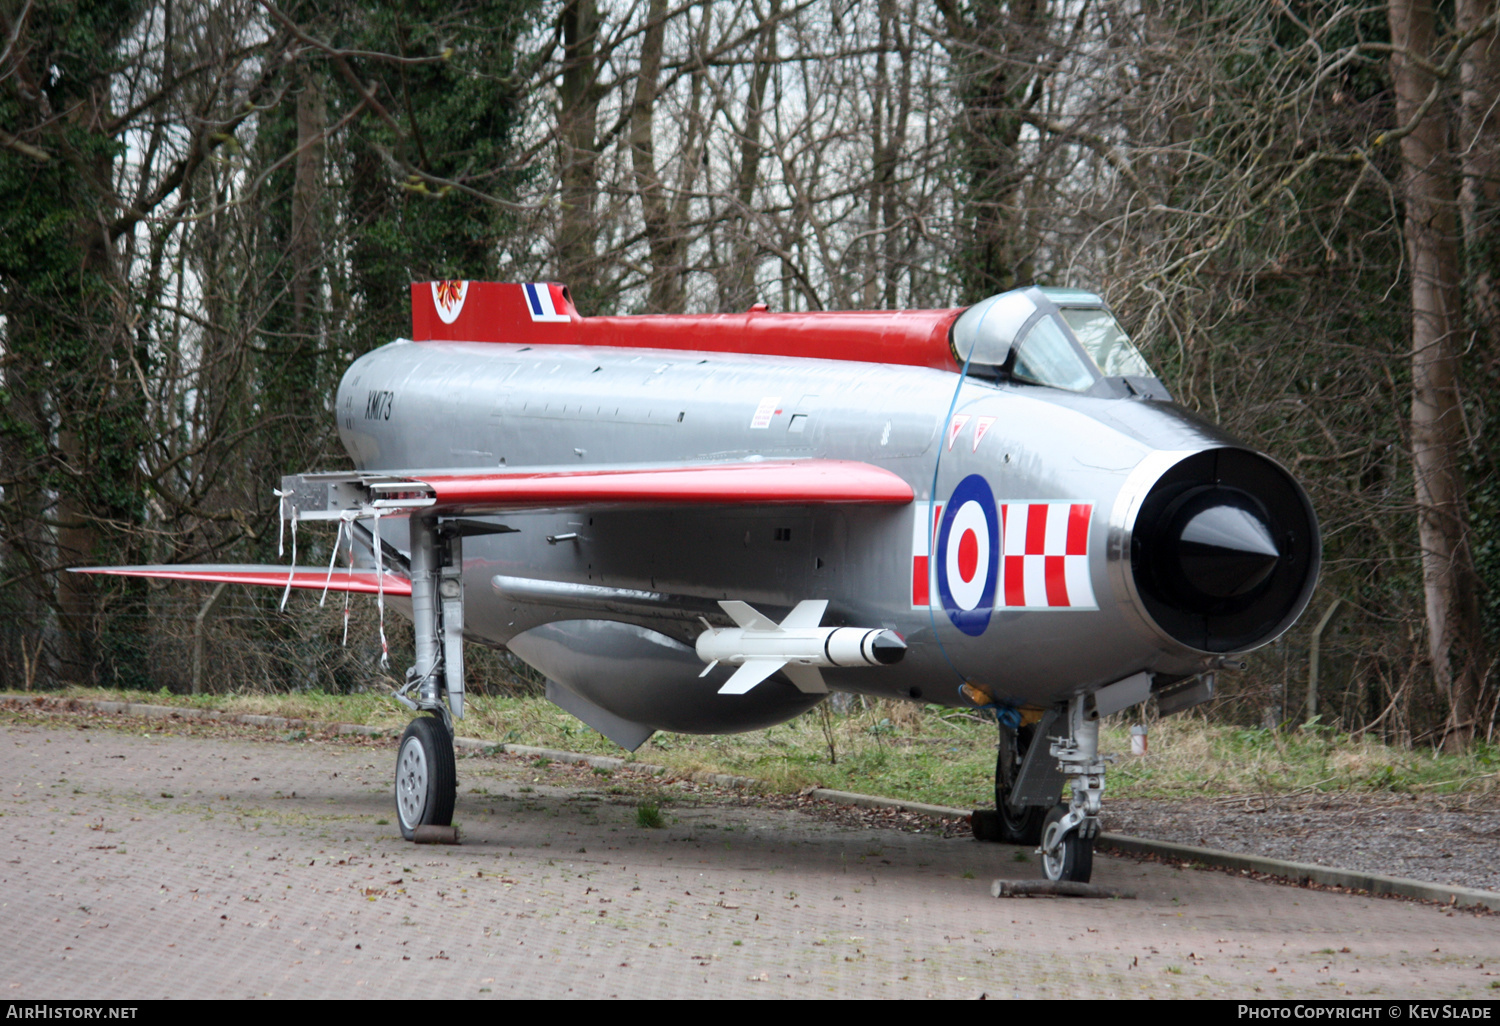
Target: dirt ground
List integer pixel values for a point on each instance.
(1440, 840)
(145, 860)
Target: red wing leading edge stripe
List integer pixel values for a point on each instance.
(786, 482)
(309, 577)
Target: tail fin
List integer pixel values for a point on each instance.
(489, 311)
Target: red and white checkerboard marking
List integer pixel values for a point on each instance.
(1044, 558)
(1044, 555)
(925, 519)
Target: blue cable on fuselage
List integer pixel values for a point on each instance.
(963, 375)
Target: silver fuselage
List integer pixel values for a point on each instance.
(480, 406)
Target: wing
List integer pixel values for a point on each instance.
(310, 577)
(356, 494)
(744, 483)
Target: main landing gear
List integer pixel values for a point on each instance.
(426, 771)
(426, 779)
(1028, 777)
(1018, 824)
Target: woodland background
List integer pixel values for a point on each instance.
(207, 209)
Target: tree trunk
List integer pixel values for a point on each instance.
(665, 295)
(307, 198)
(578, 156)
(995, 48)
(1479, 147)
(737, 289)
(1437, 429)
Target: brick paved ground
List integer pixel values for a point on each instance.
(146, 865)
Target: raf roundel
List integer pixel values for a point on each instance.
(968, 555)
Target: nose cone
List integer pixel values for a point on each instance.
(888, 648)
(1225, 551)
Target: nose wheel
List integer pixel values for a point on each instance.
(426, 776)
(1066, 855)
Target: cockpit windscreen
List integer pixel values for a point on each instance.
(1046, 356)
(1106, 343)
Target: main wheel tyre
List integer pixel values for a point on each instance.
(1072, 858)
(1023, 826)
(426, 776)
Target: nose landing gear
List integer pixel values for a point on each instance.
(1065, 854)
(1028, 777)
(1069, 830)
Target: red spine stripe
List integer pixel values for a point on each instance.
(1036, 529)
(1078, 530)
(1057, 584)
(919, 579)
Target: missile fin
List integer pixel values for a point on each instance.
(809, 613)
(752, 673)
(709, 668)
(807, 678)
(746, 616)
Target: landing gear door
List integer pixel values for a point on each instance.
(1040, 779)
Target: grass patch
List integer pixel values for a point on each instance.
(929, 753)
(647, 815)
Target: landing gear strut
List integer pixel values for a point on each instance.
(426, 771)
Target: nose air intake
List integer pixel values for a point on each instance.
(1225, 551)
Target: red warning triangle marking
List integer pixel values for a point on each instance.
(955, 426)
(981, 427)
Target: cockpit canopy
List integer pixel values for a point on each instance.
(1061, 338)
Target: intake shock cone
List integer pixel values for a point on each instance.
(1224, 550)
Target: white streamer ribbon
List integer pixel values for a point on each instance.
(333, 557)
(281, 534)
(291, 572)
(347, 593)
(385, 649)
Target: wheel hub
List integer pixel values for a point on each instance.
(1053, 855)
(411, 783)
(1052, 862)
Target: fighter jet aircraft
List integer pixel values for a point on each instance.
(707, 523)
